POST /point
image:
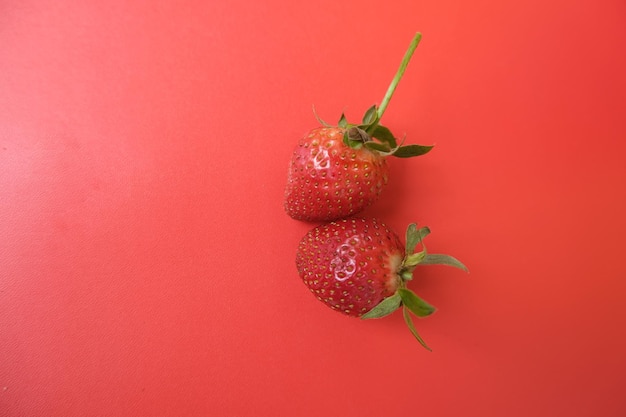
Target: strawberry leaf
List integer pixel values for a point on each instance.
(440, 259)
(354, 144)
(376, 146)
(370, 116)
(417, 306)
(358, 134)
(384, 135)
(384, 308)
(409, 151)
(409, 323)
(414, 259)
(414, 236)
(343, 122)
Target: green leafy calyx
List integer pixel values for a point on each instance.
(376, 137)
(404, 297)
(370, 133)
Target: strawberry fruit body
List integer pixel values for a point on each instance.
(337, 171)
(328, 180)
(360, 268)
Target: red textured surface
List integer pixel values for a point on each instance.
(328, 181)
(351, 265)
(147, 266)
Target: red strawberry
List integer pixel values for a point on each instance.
(337, 171)
(329, 180)
(359, 267)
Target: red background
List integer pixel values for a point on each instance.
(146, 263)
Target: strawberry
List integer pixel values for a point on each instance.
(360, 268)
(337, 171)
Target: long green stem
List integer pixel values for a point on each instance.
(399, 74)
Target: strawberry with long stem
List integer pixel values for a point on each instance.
(337, 171)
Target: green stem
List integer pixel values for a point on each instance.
(399, 74)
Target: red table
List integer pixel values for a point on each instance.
(147, 265)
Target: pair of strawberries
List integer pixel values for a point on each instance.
(357, 266)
